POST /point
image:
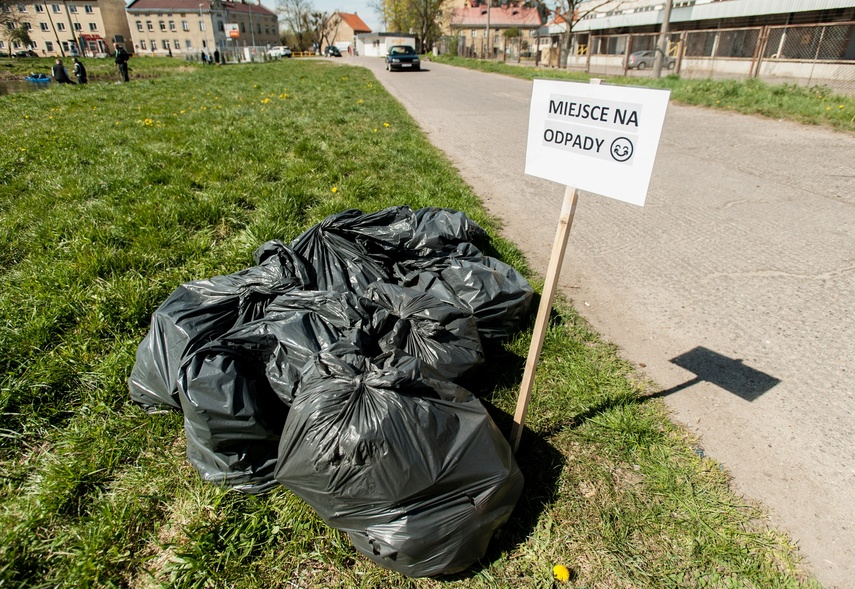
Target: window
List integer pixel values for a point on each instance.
(72, 8)
(55, 8)
(176, 44)
(142, 44)
(87, 8)
(473, 33)
(258, 28)
(93, 26)
(242, 27)
(201, 25)
(22, 8)
(185, 25)
(44, 26)
(49, 46)
(165, 44)
(162, 25)
(149, 25)
(60, 26)
(2, 45)
(33, 45)
(28, 26)
(78, 26)
(172, 25)
(139, 25)
(40, 8)
(188, 43)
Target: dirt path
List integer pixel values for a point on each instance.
(733, 287)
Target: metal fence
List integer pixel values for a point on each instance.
(822, 54)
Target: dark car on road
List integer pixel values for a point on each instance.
(402, 57)
(644, 59)
(332, 51)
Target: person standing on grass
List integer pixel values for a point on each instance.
(216, 56)
(59, 73)
(122, 62)
(80, 71)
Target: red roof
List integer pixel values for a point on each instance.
(500, 17)
(193, 6)
(354, 22)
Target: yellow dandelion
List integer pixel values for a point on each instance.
(360, 102)
(375, 129)
(385, 124)
(718, 101)
(841, 106)
(23, 149)
(827, 108)
(117, 122)
(50, 116)
(26, 116)
(334, 189)
(820, 96)
(561, 573)
(265, 101)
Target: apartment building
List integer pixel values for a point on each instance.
(188, 27)
(71, 27)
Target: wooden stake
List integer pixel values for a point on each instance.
(568, 211)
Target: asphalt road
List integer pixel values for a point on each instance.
(733, 288)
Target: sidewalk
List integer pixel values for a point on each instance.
(732, 288)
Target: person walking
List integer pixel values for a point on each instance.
(121, 58)
(216, 57)
(59, 73)
(80, 71)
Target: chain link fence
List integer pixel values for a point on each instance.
(808, 55)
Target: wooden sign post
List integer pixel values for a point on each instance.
(597, 138)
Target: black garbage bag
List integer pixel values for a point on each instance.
(495, 293)
(298, 325)
(195, 314)
(232, 418)
(352, 249)
(439, 231)
(440, 334)
(408, 464)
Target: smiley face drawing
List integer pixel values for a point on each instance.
(621, 149)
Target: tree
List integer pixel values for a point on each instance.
(296, 16)
(418, 17)
(12, 24)
(572, 11)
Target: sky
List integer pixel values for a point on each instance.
(360, 7)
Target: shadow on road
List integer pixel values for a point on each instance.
(728, 373)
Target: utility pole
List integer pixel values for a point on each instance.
(487, 32)
(662, 45)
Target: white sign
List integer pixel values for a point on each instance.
(232, 30)
(602, 139)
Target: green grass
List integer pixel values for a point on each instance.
(813, 105)
(111, 195)
(98, 70)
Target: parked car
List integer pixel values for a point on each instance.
(402, 57)
(644, 59)
(332, 51)
(279, 51)
(25, 53)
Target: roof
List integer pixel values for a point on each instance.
(354, 22)
(194, 6)
(500, 17)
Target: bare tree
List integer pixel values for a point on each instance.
(296, 14)
(572, 11)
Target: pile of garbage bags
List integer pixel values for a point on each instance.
(334, 367)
